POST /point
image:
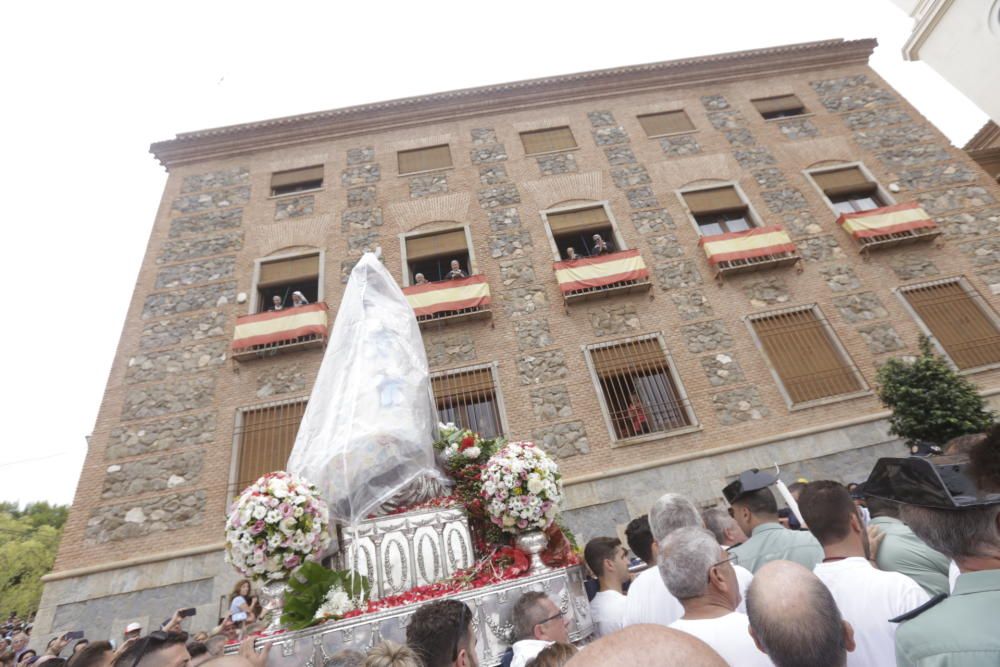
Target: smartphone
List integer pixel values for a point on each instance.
(190, 611)
(75, 634)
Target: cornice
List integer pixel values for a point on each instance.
(928, 16)
(987, 137)
(232, 140)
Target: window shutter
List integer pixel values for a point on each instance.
(843, 181)
(575, 221)
(433, 245)
(641, 355)
(962, 328)
(667, 122)
(288, 270)
(771, 105)
(424, 159)
(545, 141)
(714, 201)
(294, 176)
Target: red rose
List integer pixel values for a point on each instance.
(467, 441)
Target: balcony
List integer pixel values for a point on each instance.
(449, 300)
(889, 226)
(602, 276)
(277, 331)
(753, 250)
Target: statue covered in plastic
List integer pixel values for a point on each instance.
(367, 433)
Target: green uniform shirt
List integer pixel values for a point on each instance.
(902, 551)
(961, 631)
(772, 541)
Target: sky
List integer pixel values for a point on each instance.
(89, 85)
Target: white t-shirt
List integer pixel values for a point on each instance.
(867, 598)
(608, 611)
(743, 578)
(953, 573)
(526, 650)
(649, 601)
(728, 636)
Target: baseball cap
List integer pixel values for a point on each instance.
(132, 627)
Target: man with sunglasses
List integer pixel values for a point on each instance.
(443, 635)
(699, 572)
(538, 622)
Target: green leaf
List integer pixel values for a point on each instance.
(307, 588)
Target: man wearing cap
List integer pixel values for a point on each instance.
(755, 510)
(959, 517)
(132, 631)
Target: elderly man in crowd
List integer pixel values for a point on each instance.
(753, 506)
(727, 532)
(538, 622)
(865, 595)
(647, 646)
(699, 572)
(794, 619)
(608, 560)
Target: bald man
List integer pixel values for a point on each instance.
(794, 619)
(647, 646)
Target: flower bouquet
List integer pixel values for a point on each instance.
(317, 594)
(521, 488)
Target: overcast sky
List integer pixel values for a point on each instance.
(89, 85)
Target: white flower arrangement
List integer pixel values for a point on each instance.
(521, 488)
(459, 444)
(336, 603)
(276, 524)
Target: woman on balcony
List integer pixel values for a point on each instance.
(600, 246)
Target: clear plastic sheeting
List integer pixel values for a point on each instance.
(368, 430)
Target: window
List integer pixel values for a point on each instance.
(279, 278)
(638, 389)
(666, 122)
(959, 319)
(468, 398)
(782, 106)
(431, 255)
(804, 354)
(718, 211)
(848, 189)
(547, 141)
(576, 229)
(264, 437)
(296, 180)
(424, 159)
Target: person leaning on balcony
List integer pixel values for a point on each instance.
(276, 303)
(637, 415)
(419, 279)
(571, 253)
(456, 271)
(600, 245)
(299, 299)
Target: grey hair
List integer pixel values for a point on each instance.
(966, 533)
(347, 657)
(686, 556)
(527, 613)
(717, 521)
(670, 512)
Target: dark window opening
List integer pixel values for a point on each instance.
(783, 106)
(723, 222)
(438, 267)
(296, 180)
(309, 288)
(855, 202)
(582, 241)
(297, 187)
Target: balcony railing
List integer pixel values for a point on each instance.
(753, 250)
(888, 226)
(275, 331)
(604, 275)
(446, 300)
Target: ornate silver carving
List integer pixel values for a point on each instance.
(435, 559)
(387, 563)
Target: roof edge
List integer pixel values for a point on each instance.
(987, 135)
(231, 140)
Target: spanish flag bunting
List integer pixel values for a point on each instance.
(445, 295)
(279, 326)
(757, 242)
(886, 220)
(578, 274)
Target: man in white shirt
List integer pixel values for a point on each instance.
(699, 573)
(866, 596)
(538, 622)
(608, 560)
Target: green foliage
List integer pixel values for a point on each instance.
(929, 400)
(308, 587)
(29, 539)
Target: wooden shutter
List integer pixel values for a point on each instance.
(443, 243)
(805, 358)
(424, 159)
(266, 438)
(964, 330)
(294, 176)
(779, 104)
(288, 270)
(714, 201)
(843, 181)
(667, 122)
(467, 384)
(546, 141)
(635, 356)
(579, 220)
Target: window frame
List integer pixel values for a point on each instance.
(777, 119)
(451, 159)
(538, 130)
(682, 394)
(974, 295)
(639, 116)
(754, 218)
(238, 423)
(472, 269)
(832, 337)
(880, 191)
(254, 300)
(318, 188)
(615, 230)
(493, 368)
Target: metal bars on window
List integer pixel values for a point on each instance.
(804, 356)
(638, 388)
(264, 438)
(960, 324)
(468, 399)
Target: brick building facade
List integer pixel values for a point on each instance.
(657, 159)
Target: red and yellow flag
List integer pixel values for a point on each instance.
(445, 295)
(278, 326)
(757, 242)
(886, 220)
(578, 274)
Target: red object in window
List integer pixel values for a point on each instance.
(637, 415)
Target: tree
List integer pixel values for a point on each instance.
(929, 400)
(28, 542)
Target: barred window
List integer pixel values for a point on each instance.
(781, 106)
(296, 180)
(718, 210)
(638, 388)
(467, 397)
(960, 319)
(424, 159)
(849, 190)
(264, 439)
(807, 359)
(548, 140)
(665, 122)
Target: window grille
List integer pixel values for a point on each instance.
(666, 122)
(424, 159)
(959, 321)
(468, 399)
(547, 141)
(265, 436)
